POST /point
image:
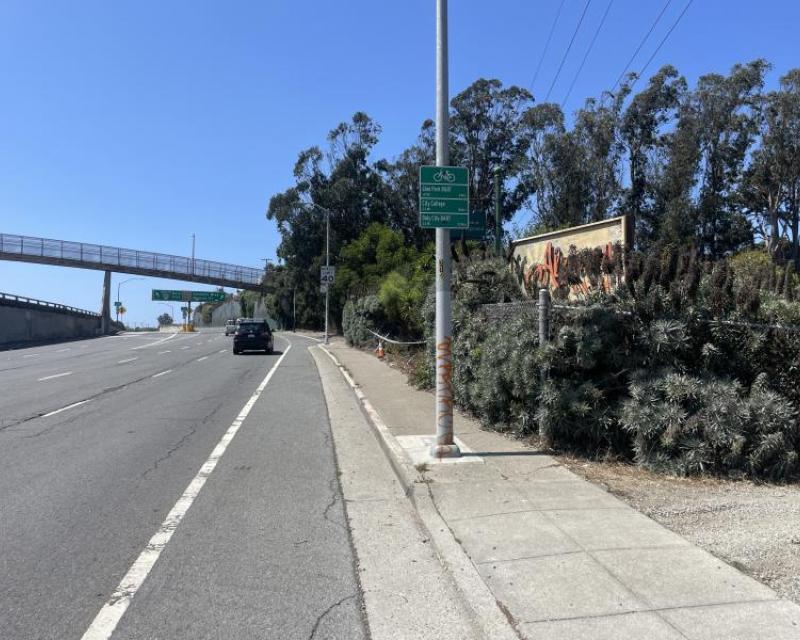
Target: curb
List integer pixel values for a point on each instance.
(488, 614)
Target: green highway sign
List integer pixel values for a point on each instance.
(172, 295)
(443, 197)
(476, 230)
(208, 296)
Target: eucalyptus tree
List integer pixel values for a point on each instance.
(772, 189)
(728, 112)
(651, 142)
(487, 131)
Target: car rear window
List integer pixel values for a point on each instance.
(252, 327)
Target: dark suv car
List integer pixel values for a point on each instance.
(252, 335)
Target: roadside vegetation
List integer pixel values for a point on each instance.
(691, 366)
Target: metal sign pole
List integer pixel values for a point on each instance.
(445, 447)
(327, 264)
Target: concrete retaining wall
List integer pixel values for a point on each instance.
(26, 323)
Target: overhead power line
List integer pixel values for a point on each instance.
(588, 51)
(661, 44)
(641, 44)
(547, 44)
(566, 53)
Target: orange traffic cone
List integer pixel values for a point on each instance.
(379, 351)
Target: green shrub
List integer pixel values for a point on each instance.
(691, 425)
(359, 317)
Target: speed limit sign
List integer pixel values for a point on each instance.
(327, 275)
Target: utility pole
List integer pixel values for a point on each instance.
(327, 264)
(445, 446)
(498, 200)
(294, 309)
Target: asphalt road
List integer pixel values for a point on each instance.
(101, 439)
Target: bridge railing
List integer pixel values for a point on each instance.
(54, 306)
(80, 252)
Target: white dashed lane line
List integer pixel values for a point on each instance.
(203, 358)
(162, 352)
(163, 373)
(126, 360)
(55, 375)
(110, 614)
(69, 406)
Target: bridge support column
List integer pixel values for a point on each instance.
(105, 311)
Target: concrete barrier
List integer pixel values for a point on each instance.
(23, 321)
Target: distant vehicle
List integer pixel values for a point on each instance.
(230, 327)
(252, 334)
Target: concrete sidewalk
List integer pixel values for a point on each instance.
(562, 558)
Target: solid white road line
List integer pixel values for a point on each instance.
(56, 375)
(203, 358)
(69, 406)
(31, 355)
(63, 350)
(163, 373)
(126, 360)
(109, 616)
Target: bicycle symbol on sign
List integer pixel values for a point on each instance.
(444, 174)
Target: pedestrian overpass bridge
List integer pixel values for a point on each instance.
(81, 255)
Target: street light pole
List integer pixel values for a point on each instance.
(327, 260)
(327, 264)
(445, 446)
(119, 284)
(192, 254)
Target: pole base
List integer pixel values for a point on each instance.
(445, 451)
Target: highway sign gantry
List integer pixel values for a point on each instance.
(443, 197)
(172, 295)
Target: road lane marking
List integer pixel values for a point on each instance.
(203, 358)
(31, 355)
(162, 352)
(152, 344)
(222, 350)
(186, 347)
(163, 373)
(126, 360)
(69, 406)
(55, 375)
(63, 350)
(112, 611)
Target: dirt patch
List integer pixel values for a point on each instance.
(754, 527)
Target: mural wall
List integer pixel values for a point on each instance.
(575, 260)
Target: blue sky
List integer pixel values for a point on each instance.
(136, 124)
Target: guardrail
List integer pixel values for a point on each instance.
(97, 256)
(51, 306)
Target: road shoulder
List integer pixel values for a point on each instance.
(407, 592)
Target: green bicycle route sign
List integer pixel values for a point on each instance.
(171, 295)
(443, 198)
